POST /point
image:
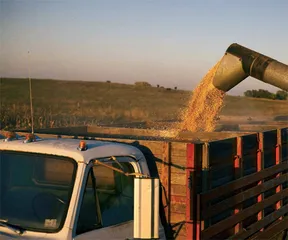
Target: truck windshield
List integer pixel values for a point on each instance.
(35, 190)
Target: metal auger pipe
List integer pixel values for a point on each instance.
(240, 62)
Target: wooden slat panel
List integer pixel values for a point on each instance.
(158, 158)
(249, 164)
(208, 136)
(166, 178)
(284, 135)
(227, 146)
(177, 217)
(178, 190)
(270, 139)
(178, 199)
(178, 208)
(159, 166)
(250, 154)
(178, 154)
(179, 230)
(181, 237)
(178, 179)
(155, 147)
(285, 151)
(220, 162)
(269, 157)
(261, 224)
(177, 169)
(250, 142)
(178, 149)
(221, 177)
(233, 220)
(274, 230)
(241, 197)
(217, 192)
(176, 165)
(178, 161)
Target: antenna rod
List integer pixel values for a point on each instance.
(31, 104)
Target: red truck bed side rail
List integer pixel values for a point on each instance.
(241, 190)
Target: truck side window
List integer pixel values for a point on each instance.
(116, 194)
(88, 218)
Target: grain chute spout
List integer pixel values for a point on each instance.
(240, 62)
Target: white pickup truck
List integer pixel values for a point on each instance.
(76, 189)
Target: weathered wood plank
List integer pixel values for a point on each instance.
(284, 135)
(166, 178)
(179, 230)
(178, 149)
(177, 217)
(178, 161)
(242, 182)
(178, 179)
(178, 208)
(178, 189)
(181, 237)
(220, 162)
(177, 169)
(241, 197)
(277, 228)
(261, 224)
(234, 219)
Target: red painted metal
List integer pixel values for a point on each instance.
(259, 169)
(278, 161)
(192, 226)
(238, 174)
(178, 199)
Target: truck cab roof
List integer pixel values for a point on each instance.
(69, 147)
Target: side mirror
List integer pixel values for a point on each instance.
(146, 208)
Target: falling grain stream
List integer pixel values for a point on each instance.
(200, 114)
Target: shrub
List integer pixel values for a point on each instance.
(142, 84)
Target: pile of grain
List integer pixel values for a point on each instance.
(203, 108)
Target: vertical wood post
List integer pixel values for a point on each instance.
(166, 179)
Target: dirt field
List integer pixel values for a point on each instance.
(70, 103)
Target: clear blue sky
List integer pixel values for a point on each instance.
(172, 43)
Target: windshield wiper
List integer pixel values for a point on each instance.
(16, 228)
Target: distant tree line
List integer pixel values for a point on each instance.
(261, 93)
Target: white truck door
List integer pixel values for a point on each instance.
(107, 213)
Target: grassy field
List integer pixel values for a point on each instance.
(63, 103)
